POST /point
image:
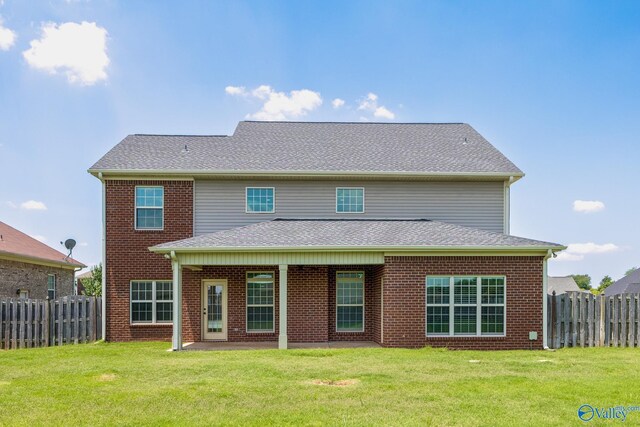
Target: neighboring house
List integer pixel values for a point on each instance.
(560, 285)
(628, 284)
(315, 232)
(31, 269)
(80, 279)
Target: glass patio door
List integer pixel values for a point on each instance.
(214, 310)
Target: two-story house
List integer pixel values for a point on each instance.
(318, 232)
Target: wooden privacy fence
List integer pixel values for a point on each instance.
(26, 323)
(580, 319)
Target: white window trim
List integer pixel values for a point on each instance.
(364, 208)
(135, 209)
(364, 299)
(55, 286)
(23, 292)
(153, 303)
(478, 304)
(246, 303)
(246, 200)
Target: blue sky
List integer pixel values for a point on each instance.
(554, 85)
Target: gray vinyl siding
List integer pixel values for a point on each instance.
(220, 204)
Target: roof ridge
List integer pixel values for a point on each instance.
(355, 219)
(178, 134)
(351, 122)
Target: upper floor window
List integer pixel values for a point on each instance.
(260, 200)
(349, 200)
(149, 208)
(51, 286)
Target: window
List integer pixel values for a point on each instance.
(149, 208)
(465, 306)
(349, 200)
(350, 301)
(260, 200)
(23, 294)
(151, 301)
(51, 286)
(260, 302)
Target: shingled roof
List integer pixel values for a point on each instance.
(354, 234)
(15, 244)
(628, 284)
(312, 147)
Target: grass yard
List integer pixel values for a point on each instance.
(142, 383)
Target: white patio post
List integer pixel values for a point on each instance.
(177, 303)
(282, 339)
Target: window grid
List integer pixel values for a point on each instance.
(350, 301)
(477, 307)
(349, 200)
(260, 302)
(51, 286)
(149, 212)
(151, 301)
(260, 200)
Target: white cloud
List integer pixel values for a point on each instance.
(235, 90)
(78, 50)
(588, 206)
(577, 251)
(279, 105)
(370, 103)
(337, 103)
(7, 37)
(32, 205)
(39, 238)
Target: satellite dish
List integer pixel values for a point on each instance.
(70, 244)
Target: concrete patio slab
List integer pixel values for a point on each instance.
(272, 345)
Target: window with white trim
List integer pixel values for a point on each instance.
(151, 301)
(51, 286)
(465, 305)
(350, 301)
(149, 208)
(260, 200)
(349, 200)
(260, 317)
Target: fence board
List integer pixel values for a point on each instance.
(566, 317)
(632, 320)
(558, 325)
(583, 317)
(623, 321)
(590, 318)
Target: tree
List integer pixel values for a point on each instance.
(583, 281)
(631, 270)
(93, 285)
(605, 283)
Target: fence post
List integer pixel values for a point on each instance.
(632, 320)
(554, 319)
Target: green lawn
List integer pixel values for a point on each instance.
(142, 383)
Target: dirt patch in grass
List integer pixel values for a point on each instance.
(107, 377)
(335, 383)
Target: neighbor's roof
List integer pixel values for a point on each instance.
(313, 147)
(354, 234)
(16, 244)
(562, 284)
(628, 284)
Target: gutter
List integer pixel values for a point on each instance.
(100, 173)
(453, 249)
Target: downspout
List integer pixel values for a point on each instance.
(545, 287)
(104, 257)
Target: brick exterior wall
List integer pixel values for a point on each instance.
(404, 300)
(34, 278)
(127, 254)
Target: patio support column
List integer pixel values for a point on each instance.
(176, 342)
(282, 339)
